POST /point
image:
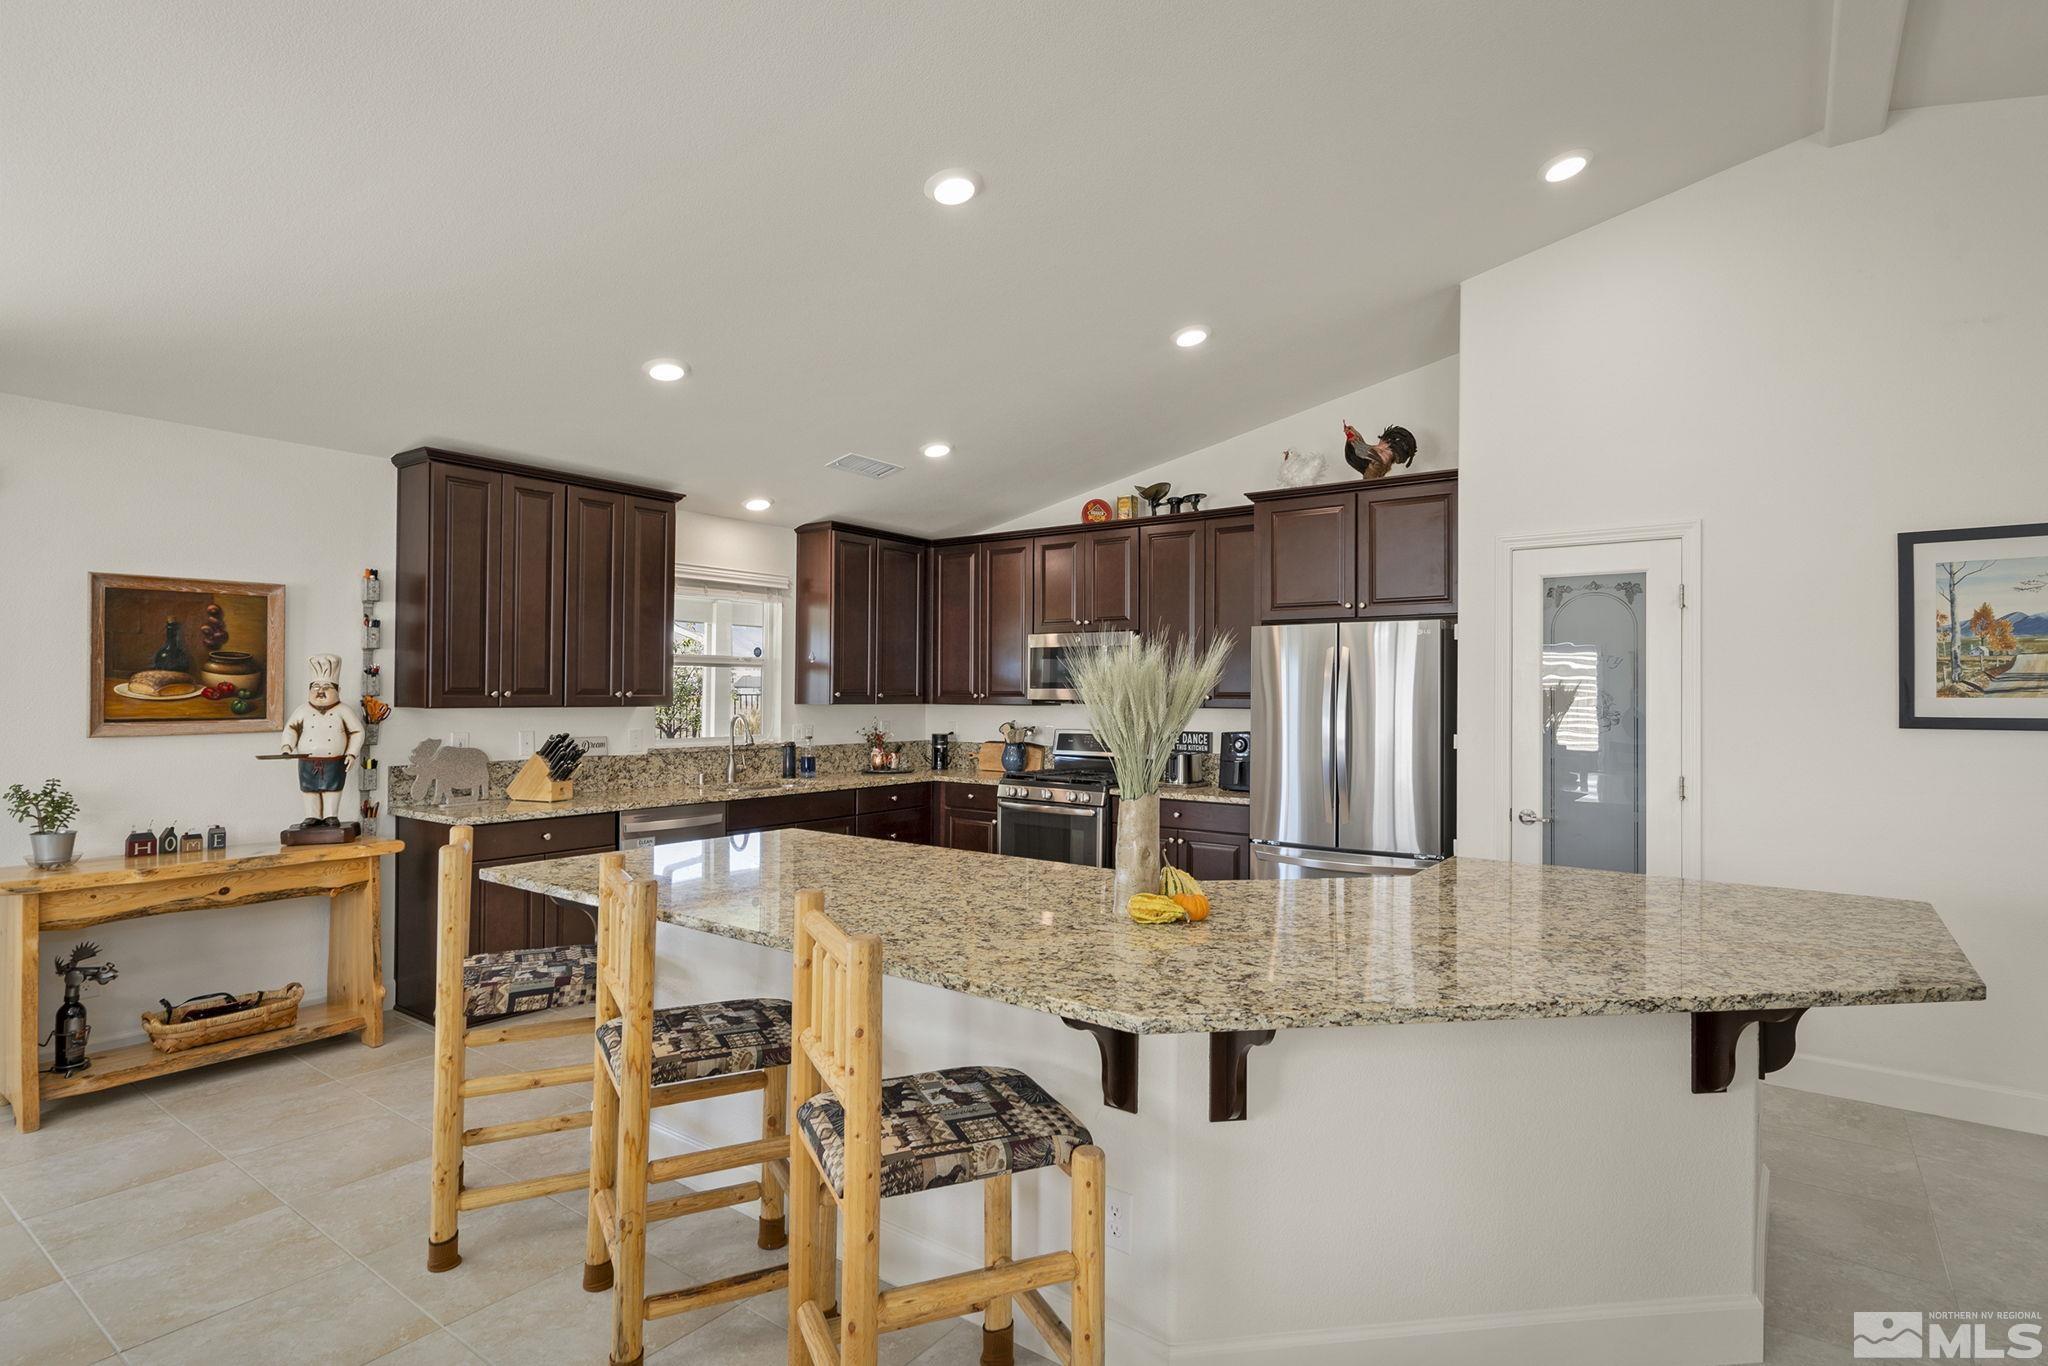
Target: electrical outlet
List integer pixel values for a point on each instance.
(457, 739)
(1117, 1218)
(636, 740)
(525, 745)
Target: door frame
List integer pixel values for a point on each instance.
(1691, 850)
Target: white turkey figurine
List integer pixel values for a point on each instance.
(1298, 470)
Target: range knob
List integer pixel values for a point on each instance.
(1045, 794)
(1076, 797)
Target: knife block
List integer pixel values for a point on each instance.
(532, 783)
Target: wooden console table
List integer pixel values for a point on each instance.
(36, 902)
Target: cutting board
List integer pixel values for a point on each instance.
(990, 758)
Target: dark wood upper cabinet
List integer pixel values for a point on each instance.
(1112, 597)
(1059, 583)
(1307, 564)
(1408, 550)
(1171, 555)
(530, 627)
(860, 617)
(647, 605)
(529, 588)
(1336, 552)
(1229, 605)
(959, 583)
(456, 591)
(899, 622)
(596, 543)
(853, 618)
(1007, 616)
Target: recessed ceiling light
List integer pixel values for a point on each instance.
(1190, 336)
(757, 505)
(953, 188)
(936, 450)
(1565, 167)
(667, 371)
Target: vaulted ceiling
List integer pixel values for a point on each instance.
(381, 224)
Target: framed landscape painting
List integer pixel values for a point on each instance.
(1973, 628)
(185, 656)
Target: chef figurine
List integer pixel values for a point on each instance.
(327, 737)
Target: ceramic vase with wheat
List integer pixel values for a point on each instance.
(1137, 847)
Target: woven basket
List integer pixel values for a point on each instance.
(259, 1013)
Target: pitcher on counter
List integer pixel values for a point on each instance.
(326, 735)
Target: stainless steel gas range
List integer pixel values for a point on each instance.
(1061, 813)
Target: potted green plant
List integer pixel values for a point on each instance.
(1140, 694)
(48, 812)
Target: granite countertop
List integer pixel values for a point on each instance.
(597, 801)
(1464, 940)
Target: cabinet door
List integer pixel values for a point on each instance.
(974, 831)
(853, 617)
(567, 922)
(909, 826)
(466, 511)
(1111, 595)
(503, 918)
(1307, 558)
(899, 622)
(647, 603)
(1006, 617)
(1173, 588)
(1408, 551)
(1228, 606)
(1059, 582)
(535, 560)
(957, 631)
(595, 540)
(1211, 857)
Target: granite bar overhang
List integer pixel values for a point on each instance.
(1465, 940)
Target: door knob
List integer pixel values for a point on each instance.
(1528, 817)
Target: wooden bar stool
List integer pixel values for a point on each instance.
(860, 1138)
(483, 987)
(647, 1057)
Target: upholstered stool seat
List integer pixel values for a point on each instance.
(715, 1039)
(949, 1128)
(526, 980)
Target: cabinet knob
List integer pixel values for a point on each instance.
(839, 694)
(547, 834)
(1347, 604)
(494, 692)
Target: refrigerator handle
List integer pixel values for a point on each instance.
(1343, 753)
(1331, 738)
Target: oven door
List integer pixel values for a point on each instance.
(1048, 658)
(1056, 834)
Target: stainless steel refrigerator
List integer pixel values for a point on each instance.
(1349, 748)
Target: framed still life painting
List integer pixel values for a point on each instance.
(1973, 628)
(185, 656)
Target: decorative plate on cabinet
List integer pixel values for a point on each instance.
(1095, 510)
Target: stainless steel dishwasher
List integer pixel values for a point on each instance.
(671, 825)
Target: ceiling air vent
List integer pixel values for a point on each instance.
(862, 466)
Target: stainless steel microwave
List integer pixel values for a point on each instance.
(1048, 661)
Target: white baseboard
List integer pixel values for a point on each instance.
(1713, 1331)
(1975, 1101)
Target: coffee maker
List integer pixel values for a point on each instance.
(1234, 769)
(942, 752)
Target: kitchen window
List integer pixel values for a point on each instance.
(726, 638)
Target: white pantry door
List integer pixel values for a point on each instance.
(1596, 720)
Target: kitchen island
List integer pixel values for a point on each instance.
(1528, 1169)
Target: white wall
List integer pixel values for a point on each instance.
(1425, 401)
(1810, 352)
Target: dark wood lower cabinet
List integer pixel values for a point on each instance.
(909, 825)
(973, 831)
(1210, 841)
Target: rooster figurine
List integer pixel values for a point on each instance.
(1376, 459)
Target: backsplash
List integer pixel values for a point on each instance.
(661, 768)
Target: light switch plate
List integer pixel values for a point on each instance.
(636, 740)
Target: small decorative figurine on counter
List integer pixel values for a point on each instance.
(326, 736)
(1299, 469)
(70, 1030)
(449, 767)
(1376, 459)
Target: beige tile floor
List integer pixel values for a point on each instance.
(273, 1210)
